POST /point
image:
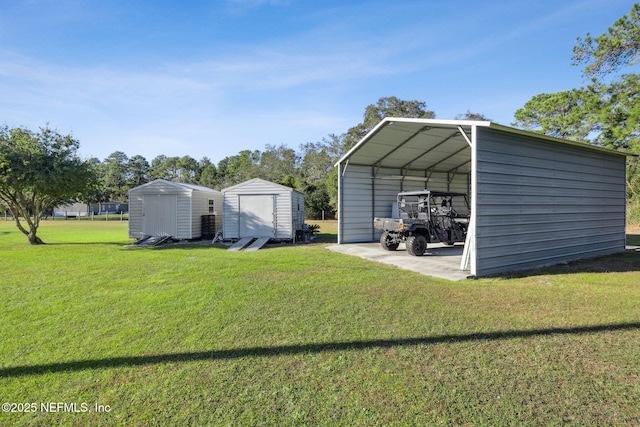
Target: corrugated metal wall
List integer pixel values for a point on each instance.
(160, 213)
(542, 203)
(284, 215)
(287, 214)
(362, 197)
(230, 215)
(356, 204)
(298, 210)
(135, 214)
(184, 215)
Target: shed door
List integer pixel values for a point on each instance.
(257, 215)
(159, 215)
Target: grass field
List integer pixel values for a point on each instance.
(195, 335)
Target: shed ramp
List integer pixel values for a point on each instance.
(258, 244)
(249, 244)
(152, 241)
(241, 244)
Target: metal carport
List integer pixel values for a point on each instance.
(535, 200)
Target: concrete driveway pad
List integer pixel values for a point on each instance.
(439, 261)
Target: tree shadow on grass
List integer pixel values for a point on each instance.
(633, 239)
(183, 245)
(325, 238)
(83, 243)
(208, 245)
(287, 350)
(622, 262)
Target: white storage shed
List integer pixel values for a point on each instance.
(535, 200)
(167, 208)
(259, 208)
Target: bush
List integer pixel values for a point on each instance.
(314, 228)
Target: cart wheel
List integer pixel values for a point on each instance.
(386, 242)
(416, 245)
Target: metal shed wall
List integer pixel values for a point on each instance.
(297, 208)
(289, 207)
(135, 215)
(191, 203)
(541, 203)
(364, 196)
(200, 206)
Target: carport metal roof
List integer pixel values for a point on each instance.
(416, 145)
(428, 145)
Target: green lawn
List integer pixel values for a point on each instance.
(195, 335)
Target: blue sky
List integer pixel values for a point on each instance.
(212, 78)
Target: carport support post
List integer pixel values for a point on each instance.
(469, 252)
(373, 202)
(341, 169)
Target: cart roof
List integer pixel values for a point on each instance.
(430, 192)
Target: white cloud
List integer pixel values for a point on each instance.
(175, 110)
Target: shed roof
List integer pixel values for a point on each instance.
(177, 184)
(261, 182)
(431, 144)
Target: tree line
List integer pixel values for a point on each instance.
(39, 170)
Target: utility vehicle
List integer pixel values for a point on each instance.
(425, 217)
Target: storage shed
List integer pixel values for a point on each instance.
(259, 208)
(167, 208)
(535, 200)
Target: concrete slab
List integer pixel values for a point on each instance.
(439, 261)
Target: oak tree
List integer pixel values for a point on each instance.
(38, 171)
